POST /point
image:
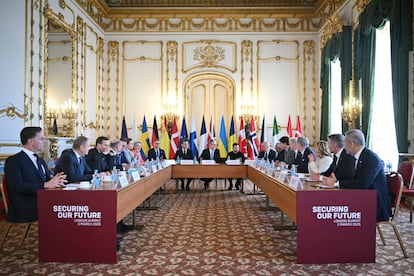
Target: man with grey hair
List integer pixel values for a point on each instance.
(302, 160)
(369, 173)
(292, 153)
(73, 162)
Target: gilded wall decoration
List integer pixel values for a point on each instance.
(246, 62)
(12, 112)
(333, 26)
(172, 60)
(309, 61)
(113, 58)
(361, 5)
(209, 53)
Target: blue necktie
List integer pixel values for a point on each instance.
(39, 167)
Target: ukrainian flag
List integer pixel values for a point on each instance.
(222, 142)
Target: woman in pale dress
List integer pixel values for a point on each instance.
(323, 161)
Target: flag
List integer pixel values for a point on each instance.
(289, 128)
(193, 138)
(232, 135)
(212, 132)
(203, 136)
(242, 138)
(165, 138)
(55, 127)
(155, 134)
(252, 150)
(175, 139)
(275, 131)
(298, 128)
(222, 142)
(144, 137)
(124, 133)
(134, 129)
(263, 135)
(184, 132)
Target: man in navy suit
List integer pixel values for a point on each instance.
(212, 153)
(369, 173)
(116, 157)
(73, 162)
(267, 153)
(26, 173)
(343, 163)
(184, 153)
(156, 152)
(302, 159)
(96, 158)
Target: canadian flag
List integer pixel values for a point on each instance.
(242, 138)
(298, 128)
(289, 128)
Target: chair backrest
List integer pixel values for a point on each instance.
(407, 172)
(395, 186)
(4, 195)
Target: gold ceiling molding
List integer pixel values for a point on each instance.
(333, 26)
(361, 5)
(209, 3)
(304, 17)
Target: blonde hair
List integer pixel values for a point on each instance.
(323, 149)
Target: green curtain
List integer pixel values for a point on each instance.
(364, 70)
(400, 14)
(401, 43)
(336, 47)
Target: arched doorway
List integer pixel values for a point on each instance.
(210, 94)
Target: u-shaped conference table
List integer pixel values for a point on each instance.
(333, 225)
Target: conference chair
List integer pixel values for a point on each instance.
(8, 225)
(407, 172)
(395, 186)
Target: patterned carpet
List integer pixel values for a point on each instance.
(215, 232)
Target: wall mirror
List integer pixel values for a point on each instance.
(61, 110)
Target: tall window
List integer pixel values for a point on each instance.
(335, 124)
(382, 127)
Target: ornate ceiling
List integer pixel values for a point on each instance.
(209, 3)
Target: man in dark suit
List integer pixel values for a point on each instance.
(184, 153)
(284, 146)
(96, 158)
(73, 163)
(26, 173)
(343, 163)
(156, 152)
(212, 153)
(116, 158)
(302, 159)
(292, 153)
(369, 173)
(234, 155)
(267, 153)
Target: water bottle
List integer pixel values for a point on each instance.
(389, 166)
(96, 181)
(293, 170)
(177, 161)
(114, 176)
(195, 160)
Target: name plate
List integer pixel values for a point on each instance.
(295, 183)
(123, 180)
(233, 162)
(186, 162)
(135, 176)
(208, 162)
(282, 176)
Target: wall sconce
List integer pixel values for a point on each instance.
(352, 108)
(247, 112)
(68, 111)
